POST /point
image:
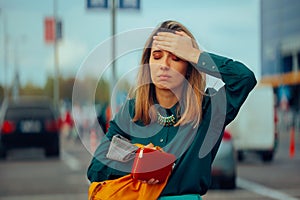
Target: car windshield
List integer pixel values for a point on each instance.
(19, 113)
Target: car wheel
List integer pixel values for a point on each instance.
(52, 150)
(2, 152)
(241, 156)
(229, 183)
(267, 156)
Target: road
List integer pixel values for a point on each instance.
(279, 179)
(28, 175)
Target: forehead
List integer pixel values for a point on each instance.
(155, 48)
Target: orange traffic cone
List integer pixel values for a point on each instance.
(292, 143)
(93, 141)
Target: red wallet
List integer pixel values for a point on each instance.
(152, 163)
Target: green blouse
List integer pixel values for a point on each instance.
(194, 147)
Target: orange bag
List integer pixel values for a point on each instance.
(124, 188)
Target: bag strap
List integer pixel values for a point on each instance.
(95, 189)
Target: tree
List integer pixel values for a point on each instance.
(1, 93)
(66, 88)
(102, 91)
(31, 89)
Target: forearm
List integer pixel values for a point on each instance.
(239, 80)
(101, 168)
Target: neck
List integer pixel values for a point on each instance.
(166, 98)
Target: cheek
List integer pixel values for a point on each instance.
(180, 74)
(179, 78)
(181, 68)
(153, 70)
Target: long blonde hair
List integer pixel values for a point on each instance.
(191, 101)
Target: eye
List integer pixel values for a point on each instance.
(157, 55)
(175, 58)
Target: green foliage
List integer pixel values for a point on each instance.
(31, 89)
(102, 93)
(1, 93)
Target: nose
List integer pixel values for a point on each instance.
(165, 61)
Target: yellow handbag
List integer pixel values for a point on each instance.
(124, 188)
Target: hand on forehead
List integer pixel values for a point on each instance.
(171, 34)
(177, 43)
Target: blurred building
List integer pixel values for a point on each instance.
(280, 49)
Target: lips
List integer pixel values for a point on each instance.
(164, 76)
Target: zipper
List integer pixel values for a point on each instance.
(141, 153)
(136, 164)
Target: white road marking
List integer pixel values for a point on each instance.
(70, 161)
(263, 190)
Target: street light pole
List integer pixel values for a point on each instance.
(5, 48)
(113, 52)
(16, 81)
(56, 64)
(113, 12)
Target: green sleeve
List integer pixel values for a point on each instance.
(102, 168)
(239, 80)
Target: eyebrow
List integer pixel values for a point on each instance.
(157, 51)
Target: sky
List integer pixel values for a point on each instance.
(230, 28)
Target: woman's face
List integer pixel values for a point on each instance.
(167, 70)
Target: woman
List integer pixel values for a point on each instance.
(173, 108)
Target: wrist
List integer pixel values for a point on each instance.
(195, 55)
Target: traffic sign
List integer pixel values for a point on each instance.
(59, 31)
(121, 4)
(49, 29)
(91, 4)
(132, 4)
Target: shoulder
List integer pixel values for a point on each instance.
(126, 111)
(129, 107)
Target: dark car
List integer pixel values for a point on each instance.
(29, 122)
(225, 164)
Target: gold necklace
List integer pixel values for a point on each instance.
(165, 121)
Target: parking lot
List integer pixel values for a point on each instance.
(28, 174)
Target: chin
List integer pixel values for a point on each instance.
(162, 86)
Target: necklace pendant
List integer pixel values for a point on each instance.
(165, 121)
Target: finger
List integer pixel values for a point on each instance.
(162, 43)
(181, 33)
(166, 34)
(165, 48)
(158, 148)
(150, 145)
(151, 181)
(162, 38)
